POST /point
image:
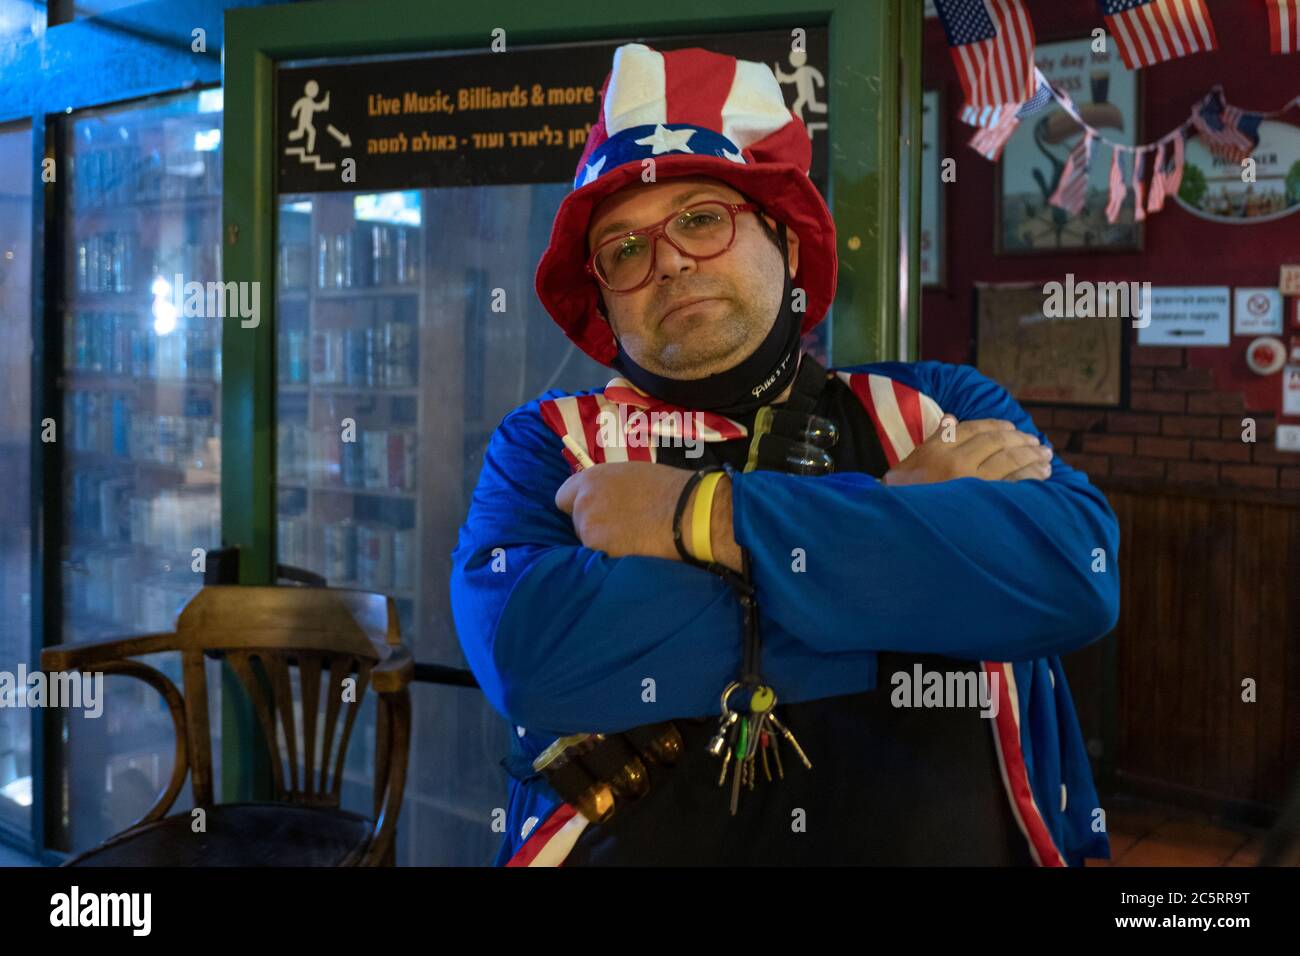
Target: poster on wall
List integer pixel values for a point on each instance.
(1188, 316)
(932, 236)
(1213, 188)
(1106, 95)
(1074, 361)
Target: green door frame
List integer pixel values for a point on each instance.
(875, 48)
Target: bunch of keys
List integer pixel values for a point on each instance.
(742, 739)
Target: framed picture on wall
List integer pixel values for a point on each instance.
(933, 239)
(1067, 361)
(1106, 95)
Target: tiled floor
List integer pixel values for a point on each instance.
(1145, 834)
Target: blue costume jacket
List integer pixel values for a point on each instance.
(561, 636)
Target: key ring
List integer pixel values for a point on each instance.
(727, 692)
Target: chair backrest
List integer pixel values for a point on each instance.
(333, 637)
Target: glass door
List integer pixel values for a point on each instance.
(141, 424)
(15, 470)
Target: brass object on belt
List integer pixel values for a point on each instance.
(593, 772)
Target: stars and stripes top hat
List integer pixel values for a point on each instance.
(695, 113)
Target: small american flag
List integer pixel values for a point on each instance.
(1139, 185)
(990, 141)
(1156, 201)
(1118, 189)
(992, 45)
(1174, 178)
(1042, 98)
(989, 116)
(1284, 26)
(1230, 133)
(1072, 188)
(1148, 32)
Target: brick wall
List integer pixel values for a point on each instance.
(1176, 430)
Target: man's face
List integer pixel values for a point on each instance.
(741, 289)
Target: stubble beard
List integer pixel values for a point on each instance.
(703, 347)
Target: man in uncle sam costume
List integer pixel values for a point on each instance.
(740, 609)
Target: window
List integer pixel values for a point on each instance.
(15, 467)
(141, 425)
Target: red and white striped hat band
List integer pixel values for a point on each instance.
(695, 113)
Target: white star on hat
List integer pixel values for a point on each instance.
(734, 157)
(593, 170)
(665, 140)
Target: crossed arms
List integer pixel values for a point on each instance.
(565, 636)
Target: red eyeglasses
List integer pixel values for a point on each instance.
(704, 230)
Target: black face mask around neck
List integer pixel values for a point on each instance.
(744, 387)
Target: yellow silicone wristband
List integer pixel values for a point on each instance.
(701, 513)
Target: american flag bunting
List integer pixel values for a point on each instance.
(1284, 26)
(1174, 178)
(1148, 32)
(1139, 185)
(1156, 201)
(1118, 189)
(1230, 133)
(992, 46)
(990, 141)
(1072, 188)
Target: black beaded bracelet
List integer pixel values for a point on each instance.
(691, 482)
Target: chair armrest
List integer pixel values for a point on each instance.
(389, 801)
(394, 672)
(176, 708)
(62, 657)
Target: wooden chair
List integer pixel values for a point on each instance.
(263, 632)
